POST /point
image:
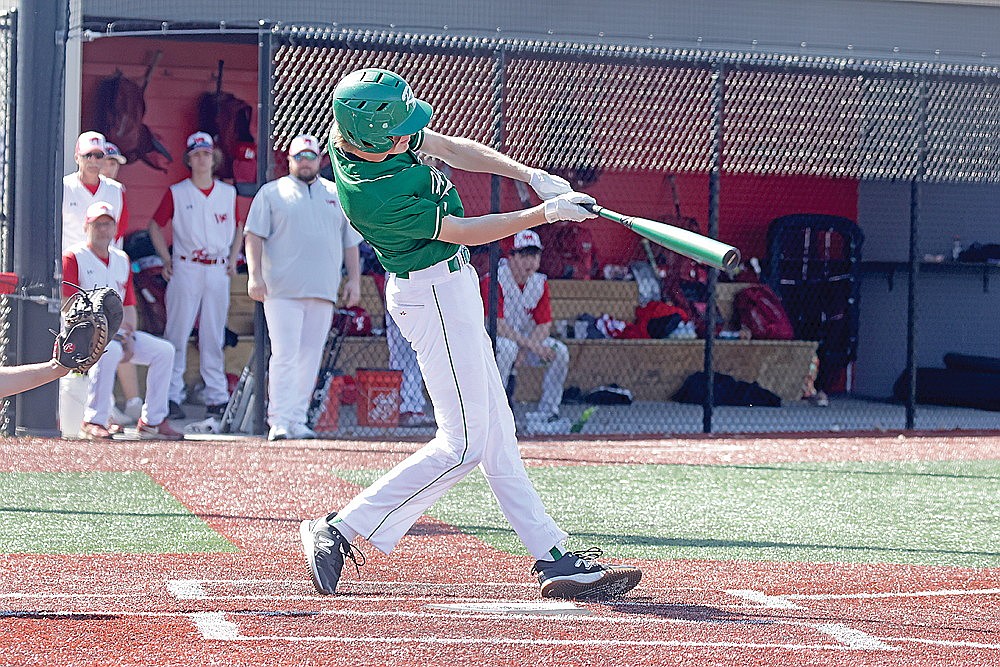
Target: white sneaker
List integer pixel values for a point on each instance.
(278, 432)
(120, 418)
(133, 408)
(301, 432)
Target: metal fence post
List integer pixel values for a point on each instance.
(261, 350)
(911, 297)
(38, 198)
(714, 175)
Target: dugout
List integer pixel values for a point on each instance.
(649, 96)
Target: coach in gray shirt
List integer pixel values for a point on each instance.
(297, 241)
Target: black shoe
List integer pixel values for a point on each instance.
(325, 550)
(215, 410)
(175, 411)
(579, 576)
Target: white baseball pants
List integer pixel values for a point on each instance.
(148, 350)
(198, 291)
(555, 373)
(441, 314)
(298, 329)
(403, 358)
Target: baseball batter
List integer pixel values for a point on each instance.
(201, 211)
(413, 217)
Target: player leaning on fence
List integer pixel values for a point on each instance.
(413, 217)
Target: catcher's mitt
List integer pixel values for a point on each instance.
(89, 320)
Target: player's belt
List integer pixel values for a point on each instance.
(202, 260)
(460, 259)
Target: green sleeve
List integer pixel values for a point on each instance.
(414, 216)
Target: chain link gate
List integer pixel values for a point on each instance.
(8, 41)
(630, 125)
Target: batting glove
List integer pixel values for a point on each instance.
(547, 186)
(568, 207)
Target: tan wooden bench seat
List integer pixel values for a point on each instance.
(653, 370)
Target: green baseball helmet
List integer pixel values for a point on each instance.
(372, 105)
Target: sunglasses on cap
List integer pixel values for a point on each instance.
(305, 155)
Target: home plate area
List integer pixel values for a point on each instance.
(406, 613)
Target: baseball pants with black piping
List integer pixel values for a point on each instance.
(440, 312)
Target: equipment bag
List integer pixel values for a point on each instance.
(759, 309)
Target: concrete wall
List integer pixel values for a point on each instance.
(954, 315)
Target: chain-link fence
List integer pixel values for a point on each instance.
(8, 36)
(837, 178)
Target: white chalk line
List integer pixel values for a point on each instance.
(897, 594)
(215, 626)
(764, 600)
(850, 637)
(786, 601)
(186, 589)
(443, 614)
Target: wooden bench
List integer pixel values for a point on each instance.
(652, 369)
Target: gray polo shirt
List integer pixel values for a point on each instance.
(305, 232)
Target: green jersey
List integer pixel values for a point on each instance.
(397, 205)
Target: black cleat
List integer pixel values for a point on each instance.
(579, 576)
(325, 550)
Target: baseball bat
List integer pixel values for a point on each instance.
(690, 244)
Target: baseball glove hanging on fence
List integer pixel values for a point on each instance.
(89, 319)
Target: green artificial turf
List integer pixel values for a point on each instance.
(97, 512)
(934, 513)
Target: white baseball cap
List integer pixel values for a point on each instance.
(100, 209)
(304, 143)
(112, 151)
(527, 239)
(88, 142)
(200, 141)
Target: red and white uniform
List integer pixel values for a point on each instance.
(82, 267)
(77, 197)
(204, 227)
(524, 307)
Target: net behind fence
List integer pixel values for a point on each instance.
(807, 150)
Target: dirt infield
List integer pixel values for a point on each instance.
(445, 598)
